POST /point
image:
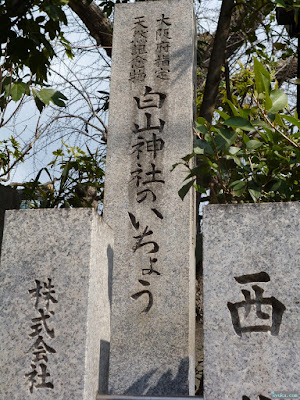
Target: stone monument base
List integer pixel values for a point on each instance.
(55, 305)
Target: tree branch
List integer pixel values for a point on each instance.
(96, 22)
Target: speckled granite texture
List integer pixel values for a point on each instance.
(55, 303)
(150, 129)
(251, 300)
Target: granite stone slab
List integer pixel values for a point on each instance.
(251, 301)
(54, 305)
(150, 129)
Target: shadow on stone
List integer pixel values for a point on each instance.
(103, 366)
(110, 258)
(180, 59)
(9, 200)
(166, 385)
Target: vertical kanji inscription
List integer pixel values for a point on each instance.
(138, 50)
(163, 44)
(41, 332)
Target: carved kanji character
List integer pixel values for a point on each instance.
(138, 74)
(150, 99)
(276, 306)
(163, 20)
(137, 175)
(40, 355)
(138, 62)
(163, 34)
(39, 344)
(43, 376)
(49, 292)
(152, 173)
(155, 145)
(157, 213)
(161, 74)
(40, 322)
(140, 243)
(32, 377)
(140, 23)
(138, 49)
(133, 221)
(143, 194)
(148, 126)
(138, 147)
(142, 292)
(36, 292)
(150, 270)
(140, 238)
(163, 47)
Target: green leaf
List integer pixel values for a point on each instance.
(276, 186)
(280, 3)
(200, 120)
(40, 104)
(47, 95)
(261, 124)
(279, 100)
(238, 187)
(183, 191)
(262, 77)
(291, 119)
(223, 114)
(225, 138)
(255, 194)
(202, 145)
(58, 98)
(239, 122)
(201, 128)
(233, 108)
(198, 150)
(16, 90)
(233, 150)
(253, 144)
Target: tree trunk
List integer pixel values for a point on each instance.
(96, 22)
(216, 62)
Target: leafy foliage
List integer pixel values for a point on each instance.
(28, 31)
(80, 183)
(250, 153)
(9, 148)
(28, 28)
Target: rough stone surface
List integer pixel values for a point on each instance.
(244, 240)
(74, 249)
(150, 129)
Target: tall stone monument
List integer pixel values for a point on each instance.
(150, 129)
(54, 305)
(251, 301)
